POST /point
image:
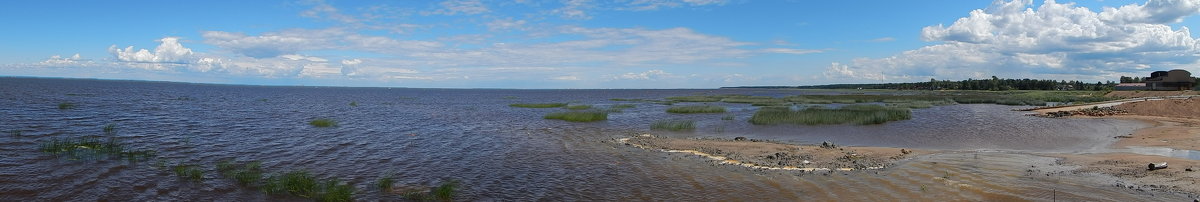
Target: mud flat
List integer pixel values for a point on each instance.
(1173, 138)
(768, 155)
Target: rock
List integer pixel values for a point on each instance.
(739, 139)
(1188, 169)
(1157, 166)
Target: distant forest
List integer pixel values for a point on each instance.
(994, 84)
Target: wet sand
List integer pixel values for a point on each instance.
(1175, 128)
(776, 156)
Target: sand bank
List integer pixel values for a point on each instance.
(776, 156)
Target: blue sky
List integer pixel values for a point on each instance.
(594, 44)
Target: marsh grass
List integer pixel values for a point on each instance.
(578, 116)
(66, 105)
(443, 192)
(661, 102)
(538, 105)
(89, 148)
(856, 114)
(385, 184)
(511, 97)
(110, 128)
(579, 107)
(303, 184)
(673, 125)
(14, 133)
(245, 174)
(322, 123)
(353, 103)
(696, 109)
(189, 172)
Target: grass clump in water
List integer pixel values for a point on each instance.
(579, 107)
(245, 174)
(696, 109)
(110, 128)
(322, 123)
(857, 114)
(353, 103)
(93, 148)
(578, 116)
(673, 125)
(303, 184)
(443, 192)
(538, 105)
(66, 105)
(190, 172)
(385, 184)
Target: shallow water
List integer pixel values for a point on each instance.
(426, 136)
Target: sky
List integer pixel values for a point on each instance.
(595, 44)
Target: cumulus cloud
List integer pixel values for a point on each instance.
(1054, 40)
(274, 43)
(168, 51)
(57, 60)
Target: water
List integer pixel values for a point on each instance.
(427, 136)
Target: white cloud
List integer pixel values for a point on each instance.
(275, 43)
(168, 51)
(659, 4)
(505, 24)
(1011, 39)
(883, 39)
(575, 9)
(57, 60)
(566, 78)
(301, 57)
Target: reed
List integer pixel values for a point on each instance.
(322, 123)
(335, 191)
(110, 128)
(674, 125)
(696, 109)
(578, 116)
(353, 103)
(538, 105)
(385, 184)
(189, 172)
(66, 105)
(857, 114)
(443, 192)
(245, 174)
(93, 148)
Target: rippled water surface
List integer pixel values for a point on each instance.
(427, 136)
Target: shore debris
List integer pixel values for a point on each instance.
(1157, 166)
(1094, 111)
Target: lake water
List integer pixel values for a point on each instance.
(426, 136)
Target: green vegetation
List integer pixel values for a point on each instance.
(444, 192)
(14, 133)
(993, 84)
(579, 107)
(697, 98)
(353, 103)
(857, 114)
(696, 109)
(190, 172)
(246, 174)
(673, 125)
(322, 123)
(385, 184)
(578, 116)
(93, 148)
(511, 97)
(538, 105)
(66, 105)
(303, 184)
(110, 128)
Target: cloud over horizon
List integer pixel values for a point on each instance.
(1013, 39)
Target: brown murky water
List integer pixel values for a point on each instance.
(426, 136)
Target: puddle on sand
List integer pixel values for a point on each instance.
(1168, 152)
